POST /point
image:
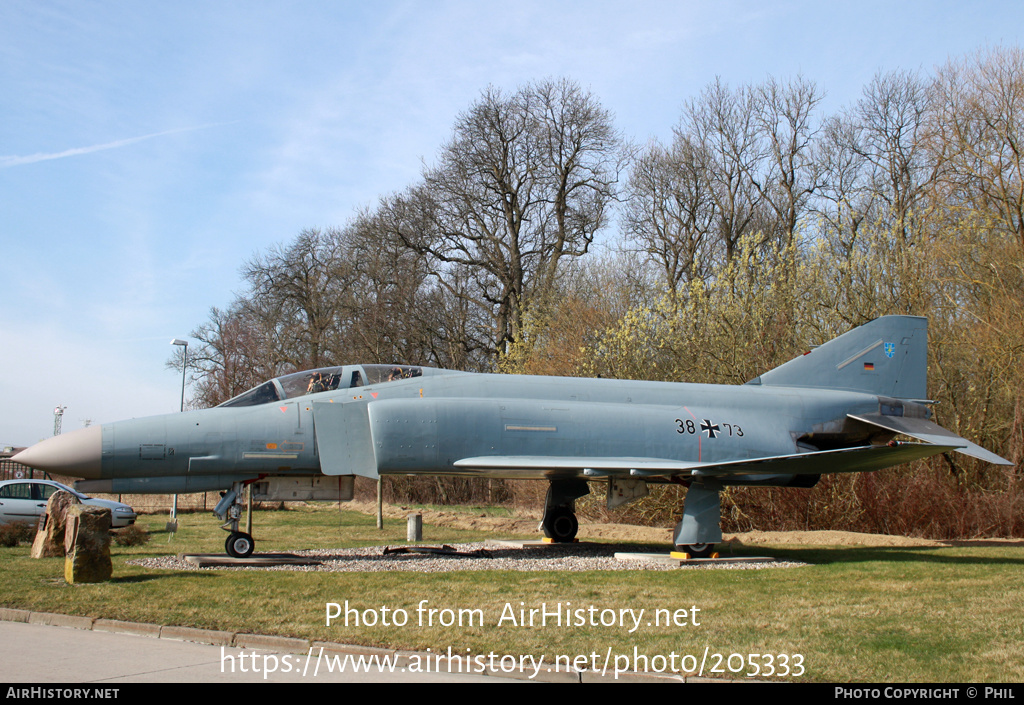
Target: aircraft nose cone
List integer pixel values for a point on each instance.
(78, 453)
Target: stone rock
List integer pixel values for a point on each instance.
(49, 540)
(87, 545)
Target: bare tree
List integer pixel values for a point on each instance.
(670, 213)
(981, 132)
(720, 124)
(524, 182)
(892, 120)
(785, 116)
(302, 290)
(403, 308)
(232, 354)
(842, 199)
(580, 151)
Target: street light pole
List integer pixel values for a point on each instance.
(172, 525)
(184, 363)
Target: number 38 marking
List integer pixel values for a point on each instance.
(686, 426)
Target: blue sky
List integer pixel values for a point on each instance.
(148, 149)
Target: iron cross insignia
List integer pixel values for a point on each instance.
(709, 428)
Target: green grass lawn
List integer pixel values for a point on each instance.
(855, 614)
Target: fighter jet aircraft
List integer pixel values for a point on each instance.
(842, 407)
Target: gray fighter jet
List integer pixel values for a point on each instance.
(843, 407)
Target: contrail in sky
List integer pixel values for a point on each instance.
(6, 162)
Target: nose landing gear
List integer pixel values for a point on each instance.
(238, 544)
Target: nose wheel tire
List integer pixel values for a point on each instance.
(239, 545)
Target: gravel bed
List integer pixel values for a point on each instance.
(577, 557)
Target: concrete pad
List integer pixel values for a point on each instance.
(256, 560)
(531, 543)
(669, 559)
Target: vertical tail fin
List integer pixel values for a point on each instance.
(887, 357)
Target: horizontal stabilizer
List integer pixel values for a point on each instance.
(860, 459)
(925, 430)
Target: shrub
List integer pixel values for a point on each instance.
(13, 534)
(133, 535)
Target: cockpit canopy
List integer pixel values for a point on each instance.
(326, 379)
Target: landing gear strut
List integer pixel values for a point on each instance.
(700, 528)
(238, 544)
(559, 522)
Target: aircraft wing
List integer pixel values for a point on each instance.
(595, 467)
(925, 430)
(859, 459)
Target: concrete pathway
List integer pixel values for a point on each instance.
(40, 653)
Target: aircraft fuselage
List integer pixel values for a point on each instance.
(428, 424)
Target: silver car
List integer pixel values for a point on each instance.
(25, 501)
